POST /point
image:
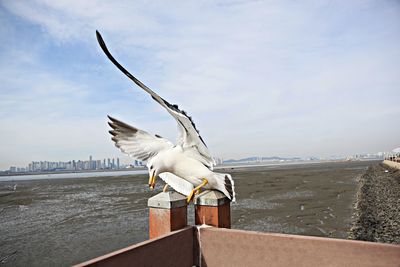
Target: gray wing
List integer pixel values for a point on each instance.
(177, 183)
(135, 142)
(189, 138)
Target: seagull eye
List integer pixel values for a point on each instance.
(151, 167)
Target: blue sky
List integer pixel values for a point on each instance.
(284, 78)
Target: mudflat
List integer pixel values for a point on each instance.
(310, 199)
(59, 222)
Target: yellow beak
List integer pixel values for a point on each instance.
(152, 181)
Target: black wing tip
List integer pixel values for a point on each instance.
(112, 122)
(113, 132)
(104, 47)
(229, 186)
(99, 39)
(120, 126)
(113, 126)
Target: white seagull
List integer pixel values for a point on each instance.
(186, 166)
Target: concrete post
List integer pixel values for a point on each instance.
(212, 208)
(168, 212)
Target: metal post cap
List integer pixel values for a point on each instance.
(167, 200)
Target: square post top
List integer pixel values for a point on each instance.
(167, 200)
(211, 198)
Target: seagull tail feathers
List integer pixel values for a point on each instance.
(226, 185)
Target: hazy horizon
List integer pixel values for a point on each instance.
(259, 78)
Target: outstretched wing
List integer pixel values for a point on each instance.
(177, 183)
(189, 138)
(136, 143)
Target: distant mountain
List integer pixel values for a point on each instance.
(260, 159)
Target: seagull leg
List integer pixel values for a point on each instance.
(190, 196)
(165, 189)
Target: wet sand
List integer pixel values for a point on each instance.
(66, 221)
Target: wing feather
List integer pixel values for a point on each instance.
(177, 183)
(135, 142)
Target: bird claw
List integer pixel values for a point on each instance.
(196, 190)
(190, 196)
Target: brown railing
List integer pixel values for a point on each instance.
(209, 246)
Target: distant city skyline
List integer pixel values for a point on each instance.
(73, 165)
(283, 78)
(111, 163)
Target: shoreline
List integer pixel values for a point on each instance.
(64, 172)
(70, 175)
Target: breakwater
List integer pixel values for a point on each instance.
(377, 206)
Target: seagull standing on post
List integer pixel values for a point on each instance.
(187, 166)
